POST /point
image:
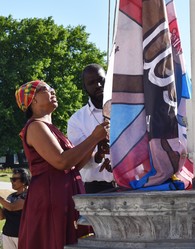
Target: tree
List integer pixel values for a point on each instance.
(39, 49)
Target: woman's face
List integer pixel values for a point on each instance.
(45, 96)
(16, 181)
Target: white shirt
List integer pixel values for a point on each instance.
(80, 126)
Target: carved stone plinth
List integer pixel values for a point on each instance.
(138, 219)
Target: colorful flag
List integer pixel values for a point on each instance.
(148, 144)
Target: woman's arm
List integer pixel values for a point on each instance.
(46, 144)
(83, 162)
(1, 214)
(17, 205)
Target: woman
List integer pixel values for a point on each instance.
(49, 217)
(12, 207)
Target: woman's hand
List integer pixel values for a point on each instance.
(101, 131)
(98, 136)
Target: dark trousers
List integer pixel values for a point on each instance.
(96, 187)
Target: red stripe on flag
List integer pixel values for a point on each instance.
(132, 8)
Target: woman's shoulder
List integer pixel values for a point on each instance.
(15, 196)
(23, 195)
(29, 123)
(38, 125)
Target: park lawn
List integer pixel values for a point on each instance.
(5, 175)
(1, 225)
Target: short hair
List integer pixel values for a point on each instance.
(89, 68)
(24, 174)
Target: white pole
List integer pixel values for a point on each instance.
(108, 40)
(191, 103)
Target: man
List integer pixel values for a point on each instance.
(82, 123)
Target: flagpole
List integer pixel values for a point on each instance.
(108, 41)
(191, 103)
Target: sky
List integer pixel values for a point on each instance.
(91, 13)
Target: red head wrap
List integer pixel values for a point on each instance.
(25, 94)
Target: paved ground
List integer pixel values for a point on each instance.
(5, 189)
(5, 185)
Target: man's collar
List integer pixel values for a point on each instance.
(92, 107)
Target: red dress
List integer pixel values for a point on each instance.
(49, 217)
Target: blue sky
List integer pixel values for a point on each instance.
(91, 13)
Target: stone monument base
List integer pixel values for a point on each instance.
(137, 219)
(101, 244)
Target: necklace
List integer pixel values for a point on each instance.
(93, 113)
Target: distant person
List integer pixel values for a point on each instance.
(81, 124)
(11, 209)
(49, 216)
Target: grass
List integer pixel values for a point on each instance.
(5, 178)
(1, 243)
(5, 174)
(1, 225)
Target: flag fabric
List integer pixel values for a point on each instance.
(183, 89)
(148, 143)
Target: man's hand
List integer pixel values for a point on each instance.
(103, 148)
(106, 165)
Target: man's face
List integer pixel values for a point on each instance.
(94, 84)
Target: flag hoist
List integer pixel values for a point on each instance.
(145, 98)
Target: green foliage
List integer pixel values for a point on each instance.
(39, 49)
(2, 222)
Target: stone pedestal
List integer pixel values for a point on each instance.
(136, 219)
